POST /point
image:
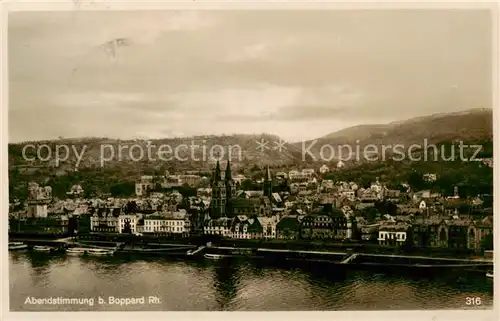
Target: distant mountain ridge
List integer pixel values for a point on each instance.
(471, 125)
(480, 120)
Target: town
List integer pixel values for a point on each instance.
(301, 205)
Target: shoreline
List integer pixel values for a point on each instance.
(337, 254)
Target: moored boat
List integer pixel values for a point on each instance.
(14, 246)
(213, 256)
(218, 256)
(40, 248)
(99, 252)
(76, 251)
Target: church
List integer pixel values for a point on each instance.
(228, 202)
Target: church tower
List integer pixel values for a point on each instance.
(230, 185)
(230, 188)
(268, 183)
(218, 202)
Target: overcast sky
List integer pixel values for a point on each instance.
(297, 74)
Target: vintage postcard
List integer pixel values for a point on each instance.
(239, 158)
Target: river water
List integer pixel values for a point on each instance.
(175, 285)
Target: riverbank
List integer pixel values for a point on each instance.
(298, 245)
(352, 255)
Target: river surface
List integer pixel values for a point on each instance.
(204, 285)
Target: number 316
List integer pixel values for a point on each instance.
(472, 301)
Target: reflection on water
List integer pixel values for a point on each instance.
(226, 282)
(233, 285)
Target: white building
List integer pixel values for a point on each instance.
(268, 226)
(104, 220)
(239, 178)
(38, 199)
(308, 171)
(76, 190)
(392, 234)
(282, 175)
(140, 189)
(144, 184)
(39, 193)
(175, 196)
(191, 180)
(174, 223)
(350, 194)
(220, 226)
(131, 219)
(37, 210)
(324, 169)
(154, 224)
(430, 177)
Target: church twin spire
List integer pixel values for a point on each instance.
(216, 176)
(228, 175)
(268, 183)
(217, 172)
(268, 174)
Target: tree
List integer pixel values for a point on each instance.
(487, 242)
(90, 191)
(247, 184)
(126, 227)
(254, 168)
(131, 207)
(122, 189)
(416, 181)
(370, 213)
(186, 191)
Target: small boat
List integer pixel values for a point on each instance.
(14, 246)
(39, 248)
(100, 252)
(76, 251)
(489, 274)
(213, 256)
(79, 251)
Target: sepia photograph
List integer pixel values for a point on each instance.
(250, 160)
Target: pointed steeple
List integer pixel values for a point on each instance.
(216, 177)
(268, 183)
(228, 176)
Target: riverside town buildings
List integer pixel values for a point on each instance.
(306, 204)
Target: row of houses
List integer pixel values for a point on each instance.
(325, 222)
(436, 232)
(328, 223)
(112, 221)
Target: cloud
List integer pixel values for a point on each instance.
(98, 99)
(254, 51)
(194, 72)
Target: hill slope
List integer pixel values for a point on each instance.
(471, 125)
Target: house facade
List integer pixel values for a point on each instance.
(220, 226)
(393, 234)
(288, 228)
(105, 220)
